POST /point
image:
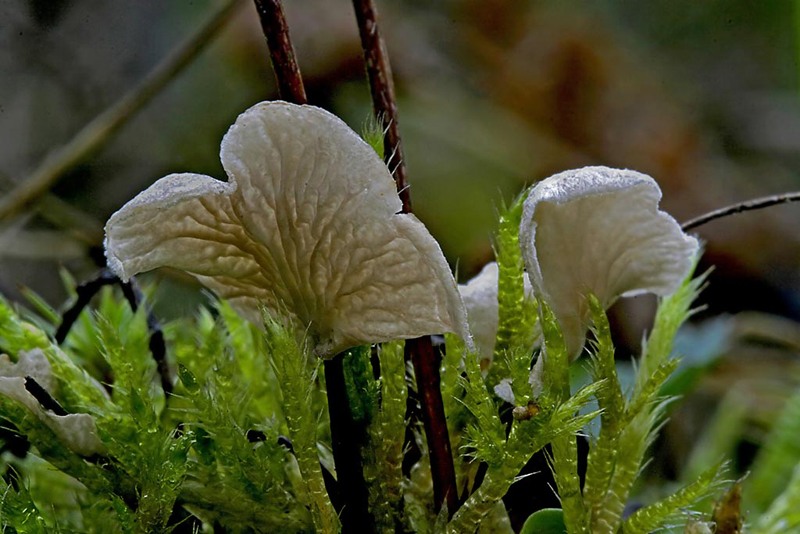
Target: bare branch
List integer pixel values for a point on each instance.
(384, 104)
(281, 51)
(100, 130)
(82, 226)
(130, 290)
(420, 351)
(755, 204)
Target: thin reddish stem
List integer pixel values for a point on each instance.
(281, 51)
(379, 72)
(420, 350)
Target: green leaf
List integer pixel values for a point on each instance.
(139, 410)
(188, 379)
(372, 131)
(775, 463)
(362, 389)
(611, 400)
(555, 373)
(296, 372)
(546, 521)
(486, 435)
(383, 458)
(40, 306)
(526, 437)
(783, 515)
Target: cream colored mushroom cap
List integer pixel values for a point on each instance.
(308, 224)
(599, 230)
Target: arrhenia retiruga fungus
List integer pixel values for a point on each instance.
(307, 225)
(599, 231)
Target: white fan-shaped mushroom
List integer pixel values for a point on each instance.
(480, 299)
(308, 224)
(599, 230)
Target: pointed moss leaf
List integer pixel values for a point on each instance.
(383, 466)
(502, 318)
(515, 317)
(362, 389)
(649, 393)
(628, 453)
(546, 521)
(296, 377)
(611, 400)
(497, 521)
(553, 365)
(48, 313)
(188, 379)
(18, 511)
(564, 464)
(673, 311)
(783, 515)
(487, 433)
(308, 224)
(203, 445)
(16, 335)
(777, 458)
(139, 410)
(499, 299)
(655, 516)
(373, 133)
(77, 390)
(598, 230)
(525, 438)
(452, 386)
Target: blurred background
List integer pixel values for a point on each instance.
(493, 96)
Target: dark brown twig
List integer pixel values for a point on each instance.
(156, 344)
(381, 86)
(100, 130)
(420, 350)
(755, 204)
(85, 293)
(347, 440)
(426, 363)
(43, 396)
(281, 51)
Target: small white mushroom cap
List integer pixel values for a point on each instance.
(599, 230)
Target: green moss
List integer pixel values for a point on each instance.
(243, 442)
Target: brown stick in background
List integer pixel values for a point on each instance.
(281, 51)
(424, 358)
